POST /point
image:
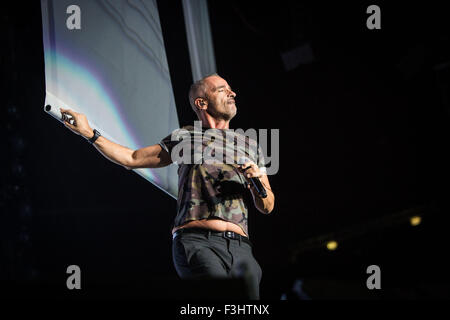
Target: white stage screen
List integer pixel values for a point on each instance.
(106, 59)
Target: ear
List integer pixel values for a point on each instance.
(201, 103)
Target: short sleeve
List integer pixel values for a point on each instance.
(169, 142)
(261, 162)
(256, 154)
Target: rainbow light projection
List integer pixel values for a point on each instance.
(125, 93)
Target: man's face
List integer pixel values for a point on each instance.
(221, 103)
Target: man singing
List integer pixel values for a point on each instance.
(210, 231)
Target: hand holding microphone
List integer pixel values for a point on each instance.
(252, 173)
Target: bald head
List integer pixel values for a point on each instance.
(198, 90)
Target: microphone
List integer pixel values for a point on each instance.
(255, 181)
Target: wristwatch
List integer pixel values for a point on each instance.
(95, 137)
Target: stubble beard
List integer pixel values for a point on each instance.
(219, 115)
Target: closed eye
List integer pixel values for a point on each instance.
(222, 88)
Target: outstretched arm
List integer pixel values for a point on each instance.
(153, 156)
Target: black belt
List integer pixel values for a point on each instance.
(224, 234)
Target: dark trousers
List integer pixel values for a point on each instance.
(206, 255)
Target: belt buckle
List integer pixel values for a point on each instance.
(229, 235)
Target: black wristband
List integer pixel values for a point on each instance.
(95, 137)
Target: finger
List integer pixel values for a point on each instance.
(246, 165)
(251, 175)
(67, 124)
(249, 164)
(72, 113)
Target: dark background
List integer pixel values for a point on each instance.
(364, 131)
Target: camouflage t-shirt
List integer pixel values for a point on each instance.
(210, 185)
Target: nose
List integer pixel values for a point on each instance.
(231, 93)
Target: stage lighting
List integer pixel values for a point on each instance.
(332, 245)
(415, 220)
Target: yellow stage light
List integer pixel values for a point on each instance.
(416, 220)
(332, 245)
